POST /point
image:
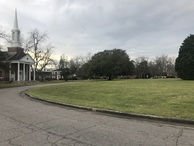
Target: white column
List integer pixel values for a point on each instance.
(24, 73)
(34, 75)
(18, 79)
(10, 72)
(29, 72)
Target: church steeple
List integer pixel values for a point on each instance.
(15, 42)
(15, 21)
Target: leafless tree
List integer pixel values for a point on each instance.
(45, 57)
(162, 63)
(27, 45)
(153, 68)
(85, 59)
(75, 64)
(141, 66)
(4, 37)
(64, 67)
(40, 51)
(2, 33)
(170, 69)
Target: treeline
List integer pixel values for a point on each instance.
(115, 63)
(158, 67)
(106, 64)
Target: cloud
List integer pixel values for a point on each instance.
(142, 28)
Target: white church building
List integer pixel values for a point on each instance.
(20, 63)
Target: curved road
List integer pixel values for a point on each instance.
(31, 123)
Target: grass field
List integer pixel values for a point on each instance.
(162, 97)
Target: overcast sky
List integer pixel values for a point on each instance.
(76, 27)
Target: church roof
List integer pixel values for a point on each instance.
(17, 56)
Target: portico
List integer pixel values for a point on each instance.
(21, 71)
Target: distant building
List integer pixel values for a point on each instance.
(20, 63)
(48, 74)
(56, 74)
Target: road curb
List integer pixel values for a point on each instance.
(121, 114)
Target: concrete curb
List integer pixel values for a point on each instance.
(121, 114)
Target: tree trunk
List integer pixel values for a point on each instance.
(110, 77)
(65, 78)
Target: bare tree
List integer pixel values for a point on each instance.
(64, 67)
(85, 59)
(74, 65)
(2, 33)
(4, 37)
(153, 68)
(162, 63)
(141, 67)
(27, 44)
(170, 70)
(45, 58)
(36, 47)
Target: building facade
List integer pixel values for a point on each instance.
(20, 63)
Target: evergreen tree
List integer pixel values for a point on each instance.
(111, 63)
(184, 65)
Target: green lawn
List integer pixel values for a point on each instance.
(162, 97)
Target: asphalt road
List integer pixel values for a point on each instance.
(31, 123)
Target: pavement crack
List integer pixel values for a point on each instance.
(10, 140)
(55, 143)
(15, 120)
(10, 143)
(46, 121)
(75, 142)
(81, 130)
(47, 139)
(178, 136)
(69, 134)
